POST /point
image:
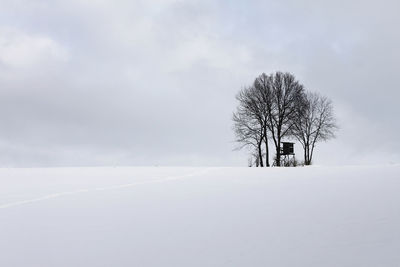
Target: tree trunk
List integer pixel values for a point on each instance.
(260, 154)
(278, 153)
(307, 160)
(312, 150)
(266, 148)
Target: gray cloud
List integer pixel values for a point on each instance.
(153, 82)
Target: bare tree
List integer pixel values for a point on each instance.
(283, 94)
(264, 98)
(247, 122)
(267, 109)
(314, 122)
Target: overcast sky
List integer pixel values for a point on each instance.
(153, 82)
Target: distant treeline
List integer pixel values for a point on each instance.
(277, 107)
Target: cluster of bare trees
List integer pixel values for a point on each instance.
(277, 107)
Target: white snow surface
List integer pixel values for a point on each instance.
(156, 216)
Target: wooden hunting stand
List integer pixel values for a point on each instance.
(287, 154)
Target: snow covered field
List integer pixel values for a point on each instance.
(314, 216)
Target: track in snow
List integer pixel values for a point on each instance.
(62, 194)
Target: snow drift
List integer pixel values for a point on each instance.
(313, 216)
